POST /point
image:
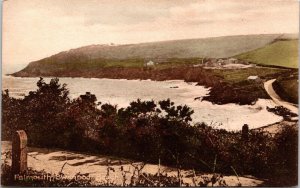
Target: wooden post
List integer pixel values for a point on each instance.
(245, 132)
(19, 152)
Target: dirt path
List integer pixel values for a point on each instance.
(71, 163)
(270, 90)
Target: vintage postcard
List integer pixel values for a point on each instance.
(149, 93)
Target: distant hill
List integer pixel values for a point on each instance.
(280, 53)
(134, 55)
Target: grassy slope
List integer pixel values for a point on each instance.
(291, 88)
(279, 53)
(130, 63)
(287, 87)
(134, 55)
(226, 46)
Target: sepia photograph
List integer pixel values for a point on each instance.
(149, 93)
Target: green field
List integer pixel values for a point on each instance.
(82, 63)
(280, 53)
(238, 75)
(139, 63)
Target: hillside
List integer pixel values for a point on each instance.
(280, 53)
(134, 55)
(190, 48)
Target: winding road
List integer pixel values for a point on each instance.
(270, 90)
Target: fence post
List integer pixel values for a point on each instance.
(19, 152)
(245, 132)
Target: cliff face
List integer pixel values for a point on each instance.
(94, 57)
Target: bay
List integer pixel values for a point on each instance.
(121, 92)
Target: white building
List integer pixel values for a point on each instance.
(150, 63)
(254, 78)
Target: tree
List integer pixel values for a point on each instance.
(43, 111)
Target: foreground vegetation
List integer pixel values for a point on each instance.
(149, 132)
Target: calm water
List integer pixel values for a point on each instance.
(122, 92)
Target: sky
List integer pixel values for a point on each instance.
(35, 29)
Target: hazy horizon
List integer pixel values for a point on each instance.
(34, 29)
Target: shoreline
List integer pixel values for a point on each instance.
(98, 78)
(220, 88)
(230, 116)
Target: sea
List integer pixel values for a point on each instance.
(121, 92)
